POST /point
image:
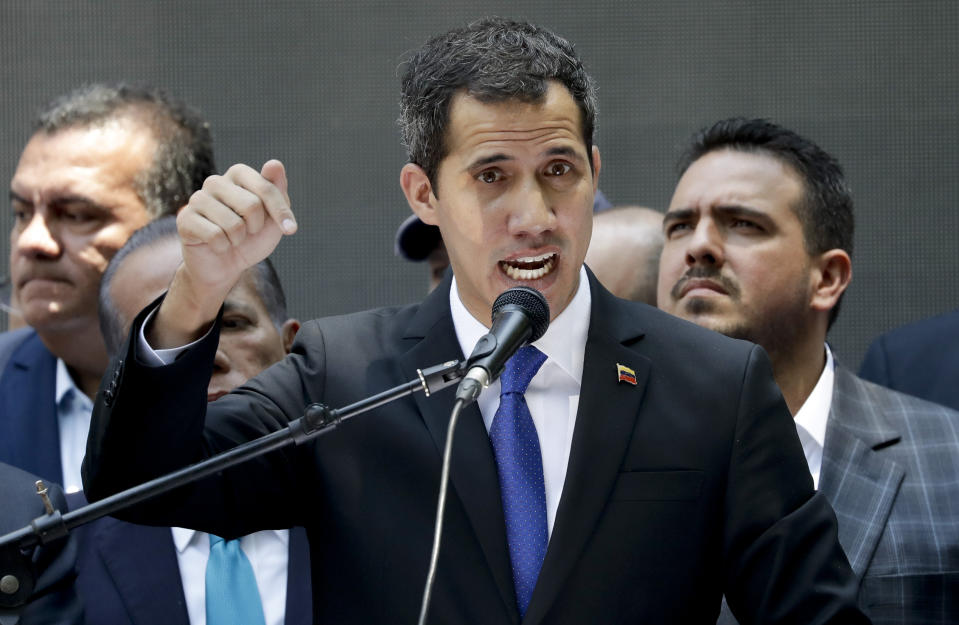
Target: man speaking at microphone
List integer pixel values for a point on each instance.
(627, 467)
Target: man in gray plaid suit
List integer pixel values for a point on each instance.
(759, 237)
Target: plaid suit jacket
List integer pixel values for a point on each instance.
(890, 470)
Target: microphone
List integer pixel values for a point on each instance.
(520, 316)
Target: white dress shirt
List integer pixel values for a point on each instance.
(553, 394)
(267, 552)
(73, 422)
(812, 416)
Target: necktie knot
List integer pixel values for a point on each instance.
(520, 369)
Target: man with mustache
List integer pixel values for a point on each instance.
(759, 238)
(602, 479)
(103, 160)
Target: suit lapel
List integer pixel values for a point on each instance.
(473, 477)
(142, 563)
(859, 483)
(604, 424)
(29, 432)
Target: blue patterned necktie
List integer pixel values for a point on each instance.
(232, 597)
(520, 466)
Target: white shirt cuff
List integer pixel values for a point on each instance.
(159, 357)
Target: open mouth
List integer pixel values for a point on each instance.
(529, 267)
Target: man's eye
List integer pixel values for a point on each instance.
(558, 169)
(235, 323)
(676, 227)
(743, 223)
(489, 176)
(77, 217)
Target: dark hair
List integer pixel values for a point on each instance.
(825, 211)
(270, 291)
(493, 59)
(184, 155)
(266, 282)
(111, 321)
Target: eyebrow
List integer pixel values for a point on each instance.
(564, 151)
(239, 307)
(498, 158)
(736, 210)
(488, 160)
(679, 213)
(63, 199)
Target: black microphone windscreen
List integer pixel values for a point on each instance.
(531, 301)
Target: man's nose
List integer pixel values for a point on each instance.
(705, 245)
(221, 364)
(37, 238)
(531, 211)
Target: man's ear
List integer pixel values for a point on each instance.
(288, 333)
(419, 192)
(596, 165)
(832, 273)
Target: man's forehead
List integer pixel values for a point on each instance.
(733, 176)
(476, 123)
(69, 160)
(245, 294)
(154, 262)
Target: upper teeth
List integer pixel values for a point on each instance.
(517, 273)
(531, 259)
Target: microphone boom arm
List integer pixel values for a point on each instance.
(317, 419)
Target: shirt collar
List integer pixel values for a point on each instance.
(183, 537)
(564, 342)
(65, 383)
(814, 413)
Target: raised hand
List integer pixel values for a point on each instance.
(235, 221)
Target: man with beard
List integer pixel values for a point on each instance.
(758, 244)
(610, 474)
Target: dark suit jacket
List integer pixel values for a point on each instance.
(891, 472)
(55, 602)
(920, 359)
(687, 484)
(128, 574)
(29, 432)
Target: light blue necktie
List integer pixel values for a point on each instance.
(520, 466)
(232, 597)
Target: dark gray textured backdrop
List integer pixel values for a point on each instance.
(315, 83)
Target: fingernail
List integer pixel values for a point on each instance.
(289, 226)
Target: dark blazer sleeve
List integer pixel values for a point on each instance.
(783, 561)
(149, 421)
(54, 600)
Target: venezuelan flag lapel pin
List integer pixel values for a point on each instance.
(625, 374)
